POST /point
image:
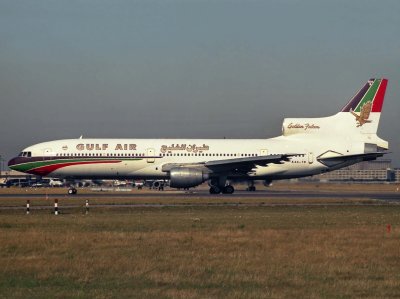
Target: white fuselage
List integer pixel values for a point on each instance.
(144, 158)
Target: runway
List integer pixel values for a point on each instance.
(390, 196)
(262, 198)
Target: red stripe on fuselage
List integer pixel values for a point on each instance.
(45, 170)
(379, 97)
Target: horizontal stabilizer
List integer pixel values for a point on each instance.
(349, 159)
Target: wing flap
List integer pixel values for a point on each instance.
(236, 165)
(245, 165)
(259, 160)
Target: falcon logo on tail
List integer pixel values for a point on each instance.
(364, 114)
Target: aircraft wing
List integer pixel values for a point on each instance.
(245, 164)
(236, 165)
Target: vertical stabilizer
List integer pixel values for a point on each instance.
(366, 106)
(359, 119)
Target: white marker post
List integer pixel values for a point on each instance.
(87, 206)
(27, 206)
(56, 206)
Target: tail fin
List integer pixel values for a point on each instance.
(360, 117)
(366, 105)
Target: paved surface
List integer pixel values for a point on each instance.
(234, 199)
(267, 194)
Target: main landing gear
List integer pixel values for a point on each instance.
(218, 185)
(228, 189)
(251, 186)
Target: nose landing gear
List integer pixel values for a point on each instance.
(72, 191)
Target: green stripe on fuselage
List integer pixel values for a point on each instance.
(25, 167)
(369, 96)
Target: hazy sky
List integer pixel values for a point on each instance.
(191, 69)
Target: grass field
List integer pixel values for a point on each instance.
(202, 252)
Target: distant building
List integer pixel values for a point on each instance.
(397, 174)
(369, 171)
(15, 174)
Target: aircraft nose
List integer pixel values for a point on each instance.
(12, 163)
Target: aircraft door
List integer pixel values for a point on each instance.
(310, 158)
(150, 155)
(264, 152)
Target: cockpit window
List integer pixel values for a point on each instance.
(25, 154)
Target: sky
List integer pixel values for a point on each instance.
(189, 69)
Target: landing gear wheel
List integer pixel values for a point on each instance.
(72, 191)
(215, 190)
(228, 189)
(252, 188)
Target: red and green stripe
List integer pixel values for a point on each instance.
(369, 96)
(373, 91)
(47, 166)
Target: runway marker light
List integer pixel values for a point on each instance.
(27, 206)
(87, 206)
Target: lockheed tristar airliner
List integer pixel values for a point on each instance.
(307, 146)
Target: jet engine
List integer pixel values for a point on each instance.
(184, 177)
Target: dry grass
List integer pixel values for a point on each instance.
(68, 202)
(257, 252)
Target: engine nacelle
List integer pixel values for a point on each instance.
(184, 177)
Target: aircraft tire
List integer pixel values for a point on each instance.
(215, 190)
(72, 191)
(228, 189)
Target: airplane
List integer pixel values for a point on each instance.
(307, 146)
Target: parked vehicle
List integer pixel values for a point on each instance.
(18, 183)
(56, 183)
